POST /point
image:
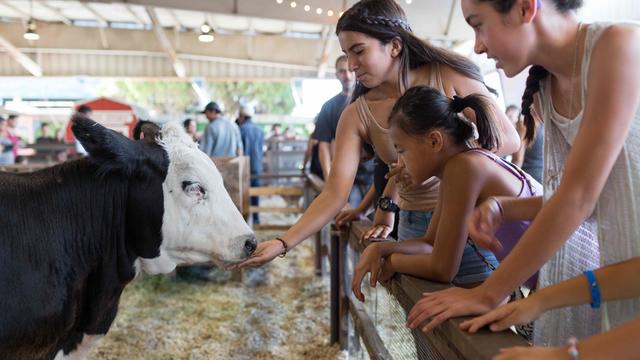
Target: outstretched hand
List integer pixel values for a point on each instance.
(265, 252)
(442, 305)
(483, 223)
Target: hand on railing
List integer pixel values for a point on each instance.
(371, 261)
(442, 305)
(345, 217)
(379, 231)
(519, 312)
(483, 223)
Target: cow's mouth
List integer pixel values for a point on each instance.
(194, 257)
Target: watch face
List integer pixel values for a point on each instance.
(384, 203)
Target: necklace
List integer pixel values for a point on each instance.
(573, 70)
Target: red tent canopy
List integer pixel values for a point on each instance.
(113, 114)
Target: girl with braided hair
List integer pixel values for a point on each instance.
(387, 59)
(432, 139)
(581, 87)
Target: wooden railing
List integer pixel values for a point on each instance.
(446, 342)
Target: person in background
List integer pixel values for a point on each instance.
(191, 128)
(6, 145)
(147, 131)
(325, 134)
(221, 137)
(252, 141)
(12, 125)
(529, 156)
(46, 137)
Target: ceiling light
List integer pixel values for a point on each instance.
(31, 33)
(206, 33)
(279, 1)
(319, 11)
(407, 1)
(307, 8)
(330, 12)
(293, 4)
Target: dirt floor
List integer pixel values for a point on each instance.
(281, 312)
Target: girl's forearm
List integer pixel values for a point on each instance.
(419, 265)
(408, 247)
(516, 209)
(617, 281)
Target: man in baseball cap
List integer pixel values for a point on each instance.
(212, 107)
(221, 137)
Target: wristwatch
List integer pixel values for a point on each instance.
(386, 204)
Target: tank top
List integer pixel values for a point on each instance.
(510, 232)
(612, 232)
(418, 198)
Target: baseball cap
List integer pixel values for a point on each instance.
(247, 110)
(212, 106)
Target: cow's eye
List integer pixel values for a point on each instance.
(193, 188)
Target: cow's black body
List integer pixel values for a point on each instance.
(69, 236)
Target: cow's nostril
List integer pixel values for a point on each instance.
(250, 245)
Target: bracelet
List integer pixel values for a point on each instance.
(284, 245)
(573, 348)
(593, 287)
(500, 208)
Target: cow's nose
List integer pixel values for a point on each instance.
(250, 245)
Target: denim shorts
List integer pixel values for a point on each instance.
(413, 224)
(472, 268)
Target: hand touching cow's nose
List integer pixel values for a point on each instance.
(265, 252)
(250, 245)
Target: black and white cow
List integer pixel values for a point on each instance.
(72, 236)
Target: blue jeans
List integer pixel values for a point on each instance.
(413, 224)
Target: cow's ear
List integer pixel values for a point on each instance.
(113, 150)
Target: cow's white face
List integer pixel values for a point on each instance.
(200, 223)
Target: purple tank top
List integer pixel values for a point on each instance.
(511, 231)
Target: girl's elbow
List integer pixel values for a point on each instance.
(443, 275)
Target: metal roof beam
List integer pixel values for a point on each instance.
(178, 66)
(21, 58)
(58, 13)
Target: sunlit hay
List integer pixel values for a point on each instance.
(161, 318)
